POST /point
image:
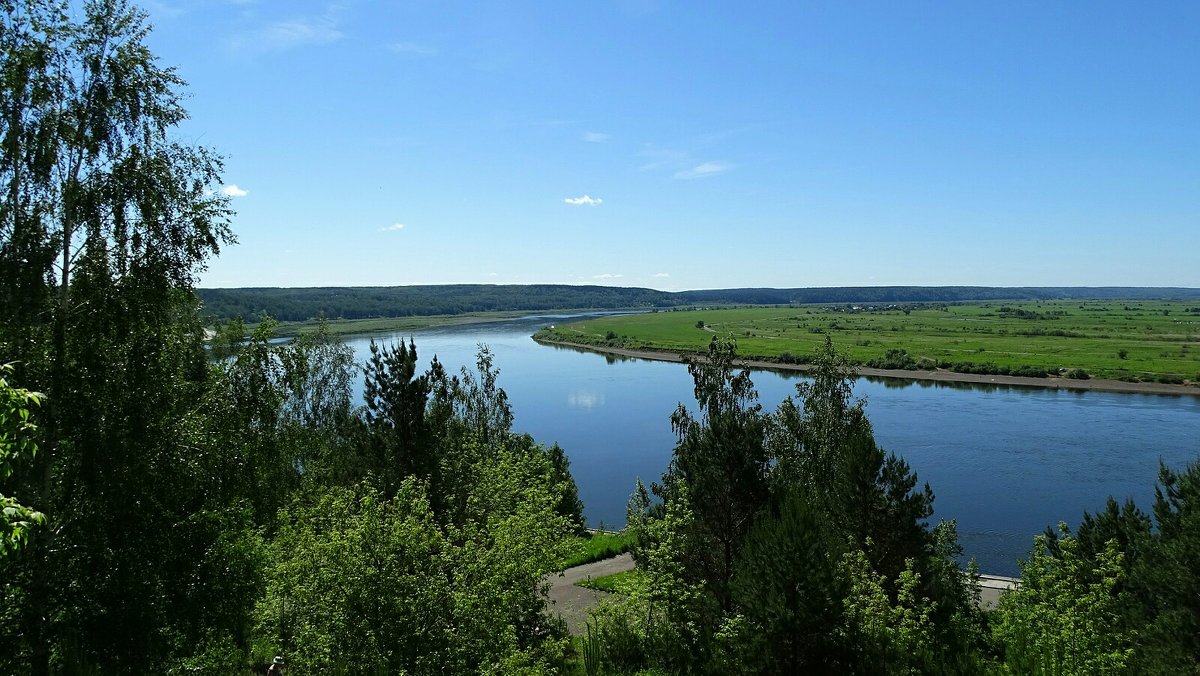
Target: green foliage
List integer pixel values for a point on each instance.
(895, 358)
(361, 579)
(787, 589)
(600, 545)
(164, 466)
(569, 505)
(105, 223)
(402, 301)
(396, 399)
(16, 429)
(891, 637)
(789, 542)
(616, 583)
(1065, 617)
(722, 460)
(1167, 575)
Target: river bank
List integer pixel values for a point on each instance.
(940, 375)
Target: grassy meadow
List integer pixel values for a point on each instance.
(1149, 341)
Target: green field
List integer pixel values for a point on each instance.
(1148, 341)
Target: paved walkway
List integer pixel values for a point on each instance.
(991, 587)
(570, 601)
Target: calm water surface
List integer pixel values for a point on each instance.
(1004, 462)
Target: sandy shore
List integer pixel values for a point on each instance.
(1095, 384)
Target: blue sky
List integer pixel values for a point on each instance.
(698, 145)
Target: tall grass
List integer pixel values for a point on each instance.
(600, 545)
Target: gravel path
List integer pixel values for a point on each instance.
(570, 601)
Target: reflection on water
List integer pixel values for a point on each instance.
(1003, 461)
(585, 399)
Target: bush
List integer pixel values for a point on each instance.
(1030, 371)
(894, 359)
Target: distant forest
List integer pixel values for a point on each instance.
(299, 304)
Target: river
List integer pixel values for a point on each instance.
(1004, 462)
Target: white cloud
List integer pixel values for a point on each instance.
(662, 274)
(704, 169)
(607, 275)
(232, 190)
(594, 137)
(299, 32)
(392, 228)
(411, 49)
(586, 200)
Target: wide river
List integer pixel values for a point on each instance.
(1004, 462)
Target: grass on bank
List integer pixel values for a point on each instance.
(600, 545)
(1148, 341)
(615, 583)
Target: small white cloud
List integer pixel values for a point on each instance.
(493, 274)
(607, 275)
(232, 190)
(411, 49)
(704, 169)
(586, 200)
(662, 274)
(392, 228)
(287, 34)
(284, 35)
(594, 137)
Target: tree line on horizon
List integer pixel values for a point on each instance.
(301, 304)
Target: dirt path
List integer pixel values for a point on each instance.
(570, 601)
(1095, 384)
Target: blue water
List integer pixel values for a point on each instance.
(1004, 462)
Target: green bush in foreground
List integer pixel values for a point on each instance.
(361, 580)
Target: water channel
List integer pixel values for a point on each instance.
(1004, 462)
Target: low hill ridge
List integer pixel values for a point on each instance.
(362, 302)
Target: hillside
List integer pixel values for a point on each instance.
(298, 304)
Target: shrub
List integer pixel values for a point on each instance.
(894, 359)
